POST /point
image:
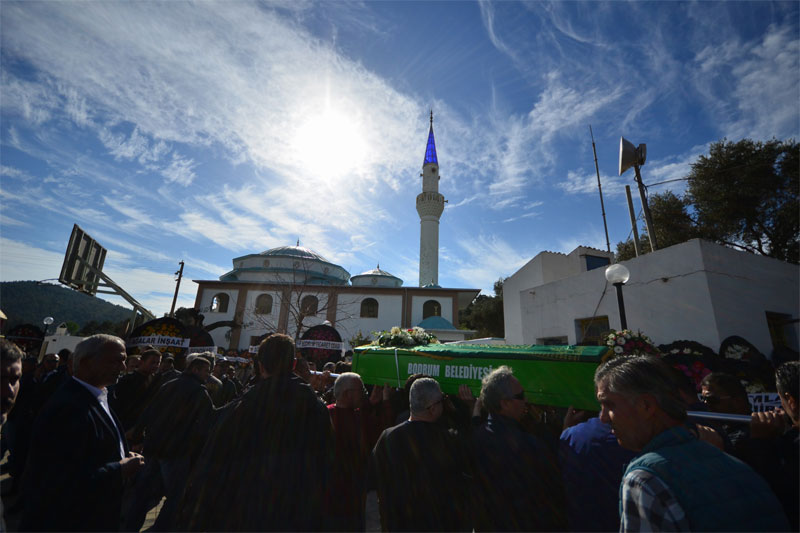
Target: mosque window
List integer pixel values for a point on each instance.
(431, 308)
(263, 304)
(309, 304)
(369, 308)
(219, 304)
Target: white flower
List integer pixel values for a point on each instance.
(621, 341)
(618, 349)
(687, 350)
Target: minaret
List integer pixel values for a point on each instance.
(430, 205)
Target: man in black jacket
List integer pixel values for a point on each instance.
(421, 469)
(267, 461)
(135, 390)
(79, 456)
(518, 485)
(175, 426)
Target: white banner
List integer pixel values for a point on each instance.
(325, 345)
(159, 340)
(764, 401)
(200, 349)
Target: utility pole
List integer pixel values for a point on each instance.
(179, 273)
(651, 233)
(600, 189)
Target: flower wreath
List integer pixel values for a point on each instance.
(626, 342)
(396, 336)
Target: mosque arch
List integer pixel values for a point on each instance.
(431, 308)
(369, 308)
(264, 304)
(309, 305)
(219, 303)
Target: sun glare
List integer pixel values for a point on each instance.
(329, 144)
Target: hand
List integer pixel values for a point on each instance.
(710, 436)
(573, 417)
(387, 392)
(377, 395)
(131, 464)
(465, 394)
(767, 425)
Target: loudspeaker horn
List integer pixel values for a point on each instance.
(630, 155)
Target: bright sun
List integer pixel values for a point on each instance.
(329, 144)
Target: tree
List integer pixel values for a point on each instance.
(744, 195)
(672, 223)
(301, 299)
(485, 313)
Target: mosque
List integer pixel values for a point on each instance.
(291, 287)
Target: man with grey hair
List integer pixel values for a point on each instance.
(79, 457)
(421, 469)
(516, 478)
(677, 482)
(357, 423)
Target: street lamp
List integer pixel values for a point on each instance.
(618, 276)
(47, 321)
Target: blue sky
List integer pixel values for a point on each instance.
(202, 132)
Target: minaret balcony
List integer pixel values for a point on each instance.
(430, 204)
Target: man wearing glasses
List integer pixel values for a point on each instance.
(421, 469)
(518, 485)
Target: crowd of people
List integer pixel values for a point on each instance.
(97, 439)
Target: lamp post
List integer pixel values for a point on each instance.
(618, 276)
(47, 321)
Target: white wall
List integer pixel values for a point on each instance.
(696, 290)
(546, 267)
(744, 287)
(349, 321)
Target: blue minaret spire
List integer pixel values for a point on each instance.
(430, 150)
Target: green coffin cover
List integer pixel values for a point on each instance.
(551, 375)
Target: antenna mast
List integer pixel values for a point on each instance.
(600, 189)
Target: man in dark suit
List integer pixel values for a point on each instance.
(78, 456)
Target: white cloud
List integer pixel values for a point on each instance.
(761, 79)
(578, 183)
(487, 258)
(180, 170)
(21, 261)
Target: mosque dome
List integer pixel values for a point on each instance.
(376, 278)
(289, 265)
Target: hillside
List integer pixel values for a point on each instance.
(30, 301)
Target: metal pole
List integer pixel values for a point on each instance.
(600, 190)
(177, 286)
(647, 219)
(633, 221)
(725, 417)
(621, 304)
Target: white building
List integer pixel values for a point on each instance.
(291, 287)
(696, 290)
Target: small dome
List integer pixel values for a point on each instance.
(376, 278)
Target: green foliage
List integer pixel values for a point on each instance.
(360, 339)
(744, 194)
(672, 223)
(485, 313)
(72, 327)
(31, 301)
